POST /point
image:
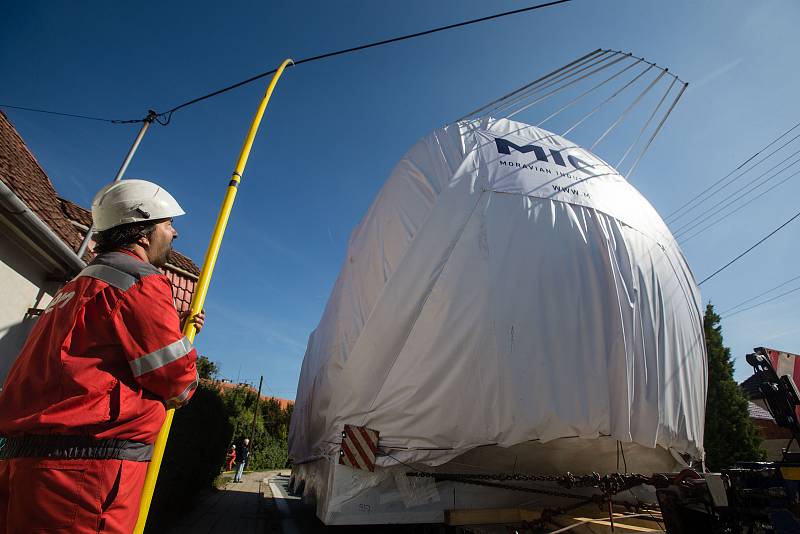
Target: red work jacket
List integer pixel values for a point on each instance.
(103, 359)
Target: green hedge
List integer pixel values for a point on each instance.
(193, 458)
(200, 436)
(268, 447)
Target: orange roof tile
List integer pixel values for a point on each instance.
(225, 387)
(23, 174)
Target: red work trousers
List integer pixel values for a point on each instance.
(45, 495)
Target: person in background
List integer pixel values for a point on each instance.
(87, 395)
(242, 456)
(230, 458)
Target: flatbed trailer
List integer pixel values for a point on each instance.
(485, 478)
(753, 497)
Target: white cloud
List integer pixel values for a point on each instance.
(717, 73)
(781, 335)
(259, 325)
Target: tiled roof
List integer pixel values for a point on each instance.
(76, 213)
(182, 289)
(182, 262)
(83, 217)
(226, 387)
(20, 171)
(757, 412)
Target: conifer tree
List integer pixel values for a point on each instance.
(730, 435)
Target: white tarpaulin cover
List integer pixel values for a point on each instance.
(505, 286)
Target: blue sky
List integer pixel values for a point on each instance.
(335, 128)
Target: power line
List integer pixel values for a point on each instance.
(723, 204)
(776, 297)
(74, 115)
(751, 299)
(164, 117)
(711, 215)
(683, 240)
(168, 113)
(674, 214)
(734, 260)
(735, 178)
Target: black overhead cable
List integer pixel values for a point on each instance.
(737, 195)
(735, 178)
(776, 297)
(75, 115)
(683, 240)
(169, 112)
(734, 309)
(699, 196)
(734, 260)
(164, 117)
(708, 219)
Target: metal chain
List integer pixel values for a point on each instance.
(541, 491)
(609, 484)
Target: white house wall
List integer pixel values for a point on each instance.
(23, 285)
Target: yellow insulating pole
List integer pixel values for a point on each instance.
(201, 289)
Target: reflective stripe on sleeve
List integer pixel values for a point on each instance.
(161, 357)
(180, 399)
(109, 275)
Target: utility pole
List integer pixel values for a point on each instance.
(255, 411)
(151, 116)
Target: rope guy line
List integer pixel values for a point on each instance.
(655, 133)
(602, 104)
(529, 91)
(551, 74)
(582, 95)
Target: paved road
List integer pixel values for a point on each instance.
(243, 508)
(291, 515)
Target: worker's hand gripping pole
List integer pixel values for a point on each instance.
(201, 289)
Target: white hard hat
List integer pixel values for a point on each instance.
(129, 201)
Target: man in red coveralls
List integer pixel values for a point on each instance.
(86, 397)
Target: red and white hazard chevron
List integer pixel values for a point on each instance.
(786, 363)
(359, 446)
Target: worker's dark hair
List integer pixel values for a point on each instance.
(122, 235)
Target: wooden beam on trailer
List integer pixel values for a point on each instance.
(490, 516)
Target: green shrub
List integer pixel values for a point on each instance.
(201, 435)
(730, 435)
(193, 458)
(268, 447)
